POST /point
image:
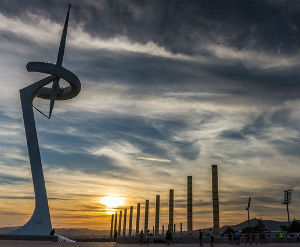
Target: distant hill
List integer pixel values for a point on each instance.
(271, 225)
(74, 233)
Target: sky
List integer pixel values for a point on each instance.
(168, 89)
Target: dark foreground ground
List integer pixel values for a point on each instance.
(10, 243)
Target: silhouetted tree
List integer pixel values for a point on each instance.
(259, 227)
(284, 228)
(247, 229)
(228, 230)
(294, 226)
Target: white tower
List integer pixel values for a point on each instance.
(40, 222)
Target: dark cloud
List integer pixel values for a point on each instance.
(188, 150)
(18, 197)
(152, 75)
(157, 75)
(266, 199)
(257, 127)
(231, 134)
(30, 198)
(106, 130)
(260, 127)
(262, 25)
(81, 162)
(6, 179)
(288, 147)
(282, 118)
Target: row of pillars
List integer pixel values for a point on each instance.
(116, 226)
(215, 198)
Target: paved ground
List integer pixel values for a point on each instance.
(12, 243)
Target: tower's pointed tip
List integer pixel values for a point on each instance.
(63, 40)
(69, 9)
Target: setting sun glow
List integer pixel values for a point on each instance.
(112, 201)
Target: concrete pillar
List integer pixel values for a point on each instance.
(120, 222)
(157, 208)
(146, 217)
(174, 230)
(180, 229)
(115, 226)
(111, 226)
(215, 199)
(171, 210)
(130, 221)
(163, 230)
(124, 223)
(137, 225)
(189, 204)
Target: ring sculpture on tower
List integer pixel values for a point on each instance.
(40, 221)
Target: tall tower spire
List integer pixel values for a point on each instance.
(40, 221)
(60, 56)
(62, 44)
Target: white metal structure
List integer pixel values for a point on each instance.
(40, 222)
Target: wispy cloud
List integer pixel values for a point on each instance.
(154, 159)
(253, 58)
(40, 30)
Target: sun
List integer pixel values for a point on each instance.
(112, 201)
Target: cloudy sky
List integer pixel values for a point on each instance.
(168, 89)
